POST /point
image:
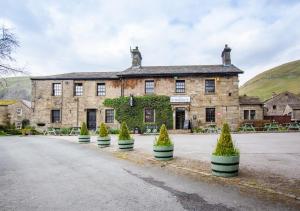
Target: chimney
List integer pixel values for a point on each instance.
(136, 57)
(226, 56)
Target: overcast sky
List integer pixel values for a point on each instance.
(92, 35)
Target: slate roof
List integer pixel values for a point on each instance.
(295, 106)
(248, 100)
(79, 76)
(179, 70)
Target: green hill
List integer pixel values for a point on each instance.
(285, 77)
(17, 88)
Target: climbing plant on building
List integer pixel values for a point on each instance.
(134, 115)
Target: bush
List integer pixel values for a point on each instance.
(83, 130)
(2, 133)
(198, 130)
(65, 131)
(103, 130)
(124, 132)
(225, 146)
(113, 131)
(163, 139)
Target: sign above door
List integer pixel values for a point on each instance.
(180, 99)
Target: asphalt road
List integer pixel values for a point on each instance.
(38, 173)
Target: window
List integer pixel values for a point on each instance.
(19, 111)
(56, 89)
(55, 116)
(246, 114)
(101, 89)
(180, 86)
(149, 87)
(78, 90)
(210, 114)
(109, 116)
(274, 107)
(19, 125)
(210, 86)
(149, 115)
(252, 114)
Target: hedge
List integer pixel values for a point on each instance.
(134, 116)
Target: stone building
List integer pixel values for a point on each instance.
(276, 105)
(292, 110)
(251, 108)
(14, 112)
(202, 94)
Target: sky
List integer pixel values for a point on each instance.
(59, 36)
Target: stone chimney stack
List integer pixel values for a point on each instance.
(226, 56)
(136, 57)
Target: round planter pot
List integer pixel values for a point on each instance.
(225, 166)
(103, 141)
(84, 138)
(163, 152)
(126, 145)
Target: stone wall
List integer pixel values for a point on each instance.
(14, 117)
(3, 115)
(73, 108)
(227, 107)
(258, 111)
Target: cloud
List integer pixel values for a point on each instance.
(64, 36)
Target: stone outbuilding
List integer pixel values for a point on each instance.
(251, 108)
(276, 105)
(292, 110)
(14, 112)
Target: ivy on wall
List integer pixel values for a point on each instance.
(134, 116)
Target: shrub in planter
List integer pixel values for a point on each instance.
(103, 139)
(225, 158)
(163, 147)
(84, 136)
(125, 142)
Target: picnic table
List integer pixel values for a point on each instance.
(151, 129)
(273, 126)
(75, 131)
(50, 131)
(212, 128)
(293, 126)
(247, 127)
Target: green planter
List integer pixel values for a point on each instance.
(126, 145)
(84, 138)
(225, 166)
(163, 152)
(103, 141)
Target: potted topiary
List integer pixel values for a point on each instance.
(84, 136)
(163, 147)
(225, 158)
(125, 142)
(103, 139)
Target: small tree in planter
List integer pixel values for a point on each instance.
(84, 136)
(163, 147)
(225, 158)
(103, 138)
(125, 142)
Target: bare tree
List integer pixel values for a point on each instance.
(8, 43)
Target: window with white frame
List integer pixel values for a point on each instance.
(101, 89)
(19, 111)
(19, 125)
(109, 116)
(210, 86)
(78, 89)
(149, 87)
(149, 115)
(180, 86)
(56, 89)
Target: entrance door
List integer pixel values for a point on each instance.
(91, 119)
(180, 116)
